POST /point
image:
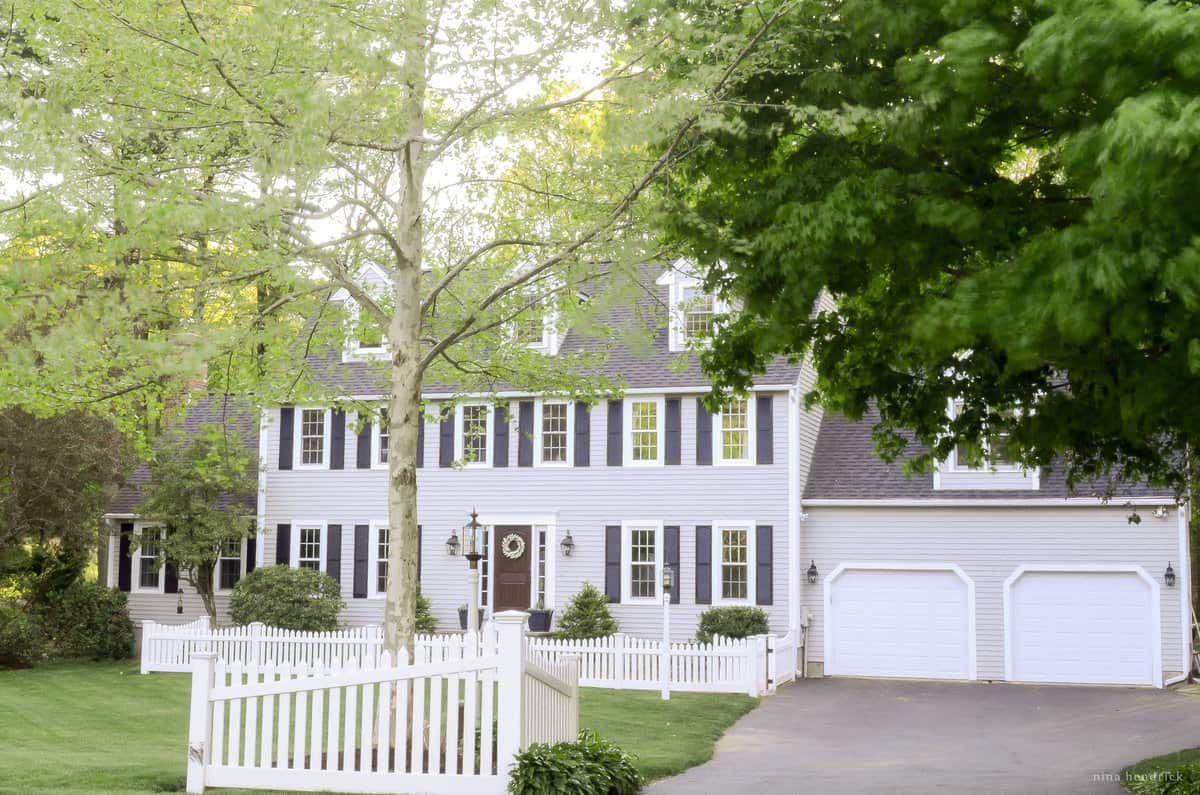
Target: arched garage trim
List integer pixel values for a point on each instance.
(831, 578)
(1066, 568)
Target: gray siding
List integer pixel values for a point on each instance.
(989, 544)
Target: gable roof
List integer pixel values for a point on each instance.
(845, 466)
(237, 415)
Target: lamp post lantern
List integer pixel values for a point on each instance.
(473, 554)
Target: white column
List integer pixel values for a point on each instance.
(200, 721)
(473, 602)
(510, 638)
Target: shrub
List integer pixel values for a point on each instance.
(21, 642)
(588, 766)
(1182, 780)
(280, 596)
(89, 620)
(587, 615)
(731, 622)
(426, 623)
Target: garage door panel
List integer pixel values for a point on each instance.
(899, 623)
(1082, 627)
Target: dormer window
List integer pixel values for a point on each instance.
(988, 469)
(365, 339)
(697, 307)
(537, 329)
(693, 311)
(995, 455)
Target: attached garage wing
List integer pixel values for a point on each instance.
(1066, 624)
(885, 620)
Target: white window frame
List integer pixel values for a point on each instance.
(241, 567)
(135, 569)
(377, 440)
(949, 475)
(718, 438)
(987, 464)
(294, 553)
(459, 450)
(627, 528)
(679, 277)
(539, 429)
(354, 351)
(373, 591)
(298, 438)
(627, 433)
(751, 561)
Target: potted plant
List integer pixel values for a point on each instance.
(462, 616)
(539, 618)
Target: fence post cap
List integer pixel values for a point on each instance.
(510, 617)
(204, 655)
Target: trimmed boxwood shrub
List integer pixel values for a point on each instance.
(89, 620)
(21, 642)
(731, 622)
(587, 615)
(280, 596)
(588, 766)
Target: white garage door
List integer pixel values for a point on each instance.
(1082, 627)
(885, 622)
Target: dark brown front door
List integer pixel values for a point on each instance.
(512, 571)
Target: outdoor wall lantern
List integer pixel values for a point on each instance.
(452, 544)
(812, 573)
(1169, 576)
(568, 545)
(179, 603)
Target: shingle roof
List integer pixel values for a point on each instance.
(237, 415)
(845, 466)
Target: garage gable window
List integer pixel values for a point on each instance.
(989, 468)
(733, 553)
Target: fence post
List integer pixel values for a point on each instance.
(772, 663)
(619, 659)
(573, 662)
(256, 655)
(147, 631)
(510, 628)
(200, 721)
(758, 671)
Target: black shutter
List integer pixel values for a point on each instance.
(170, 577)
(583, 434)
(616, 450)
(765, 429)
(500, 436)
(362, 541)
(287, 429)
(333, 551)
(704, 564)
(674, 431)
(364, 444)
(446, 437)
(337, 440)
(283, 544)
(764, 567)
(612, 562)
(525, 433)
(251, 553)
(421, 438)
(418, 555)
(124, 561)
(703, 433)
(671, 555)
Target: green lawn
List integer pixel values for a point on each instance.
(1158, 772)
(104, 729)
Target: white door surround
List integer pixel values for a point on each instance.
(1115, 612)
(939, 590)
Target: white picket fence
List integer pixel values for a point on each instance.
(782, 658)
(451, 725)
(726, 665)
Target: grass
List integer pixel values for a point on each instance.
(1150, 770)
(104, 729)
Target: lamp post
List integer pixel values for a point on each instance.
(664, 660)
(471, 536)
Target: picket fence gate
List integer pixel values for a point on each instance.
(452, 725)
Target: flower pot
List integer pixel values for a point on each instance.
(539, 620)
(462, 618)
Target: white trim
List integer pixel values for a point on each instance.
(794, 507)
(718, 426)
(698, 389)
(135, 562)
(342, 294)
(627, 528)
(298, 438)
(517, 518)
(1184, 584)
(260, 519)
(751, 529)
(216, 574)
(352, 351)
(488, 438)
(538, 430)
(373, 558)
(627, 430)
(120, 516)
(294, 552)
(827, 587)
(986, 502)
(1087, 568)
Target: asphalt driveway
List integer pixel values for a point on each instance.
(867, 736)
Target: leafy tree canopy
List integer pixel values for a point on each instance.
(1000, 197)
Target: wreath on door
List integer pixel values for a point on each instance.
(513, 546)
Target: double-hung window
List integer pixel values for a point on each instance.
(382, 437)
(150, 576)
(698, 309)
(733, 554)
(313, 438)
(554, 424)
(474, 430)
(992, 457)
(485, 548)
(734, 439)
(643, 435)
(379, 571)
(229, 564)
(642, 556)
(309, 543)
